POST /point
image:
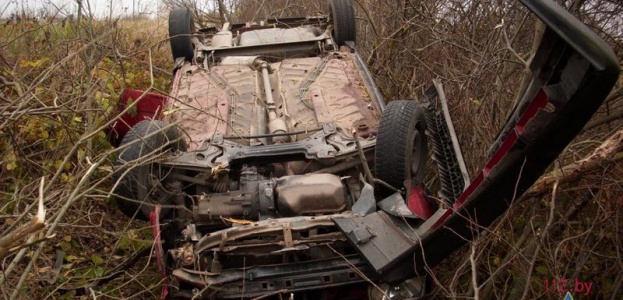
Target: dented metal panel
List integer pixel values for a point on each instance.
(309, 92)
(200, 106)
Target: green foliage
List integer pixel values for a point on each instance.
(131, 241)
(65, 81)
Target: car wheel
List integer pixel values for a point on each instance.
(401, 148)
(343, 18)
(181, 28)
(141, 183)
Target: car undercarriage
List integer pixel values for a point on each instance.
(275, 166)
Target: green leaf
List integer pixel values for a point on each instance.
(133, 111)
(131, 241)
(496, 261)
(96, 259)
(70, 258)
(33, 63)
(105, 103)
(94, 272)
(65, 246)
(11, 165)
(11, 161)
(542, 270)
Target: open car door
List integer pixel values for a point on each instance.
(572, 73)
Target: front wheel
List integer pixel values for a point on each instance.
(141, 182)
(401, 149)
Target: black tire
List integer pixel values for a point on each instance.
(401, 149)
(343, 17)
(181, 29)
(142, 185)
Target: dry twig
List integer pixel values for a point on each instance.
(11, 241)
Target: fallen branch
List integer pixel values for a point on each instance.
(606, 153)
(14, 85)
(9, 242)
(72, 197)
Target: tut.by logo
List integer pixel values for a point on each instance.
(567, 287)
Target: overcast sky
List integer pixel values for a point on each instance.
(100, 8)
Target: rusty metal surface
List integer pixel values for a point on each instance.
(308, 92)
(292, 73)
(325, 144)
(233, 238)
(340, 95)
(220, 100)
(243, 86)
(200, 106)
(335, 95)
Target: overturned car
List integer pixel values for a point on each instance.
(275, 166)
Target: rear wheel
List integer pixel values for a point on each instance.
(343, 18)
(142, 182)
(400, 155)
(181, 29)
